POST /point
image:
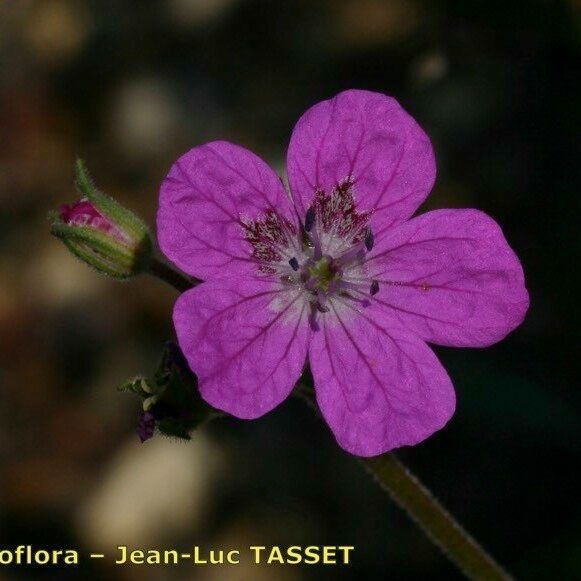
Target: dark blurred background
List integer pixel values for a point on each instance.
(131, 84)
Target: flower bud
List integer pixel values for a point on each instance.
(101, 232)
(170, 400)
(146, 426)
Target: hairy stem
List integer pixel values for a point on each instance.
(401, 485)
(436, 522)
(174, 278)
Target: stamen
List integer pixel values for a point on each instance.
(322, 303)
(313, 318)
(324, 257)
(317, 248)
(369, 239)
(350, 255)
(310, 219)
(359, 287)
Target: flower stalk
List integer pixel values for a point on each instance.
(433, 519)
(163, 271)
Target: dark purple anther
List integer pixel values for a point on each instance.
(369, 239)
(374, 288)
(310, 219)
(294, 263)
(146, 426)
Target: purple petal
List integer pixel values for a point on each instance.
(84, 213)
(378, 387)
(451, 277)
(366, 136)
(204, 200)
(246, 340)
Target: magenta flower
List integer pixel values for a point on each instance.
(335, 272)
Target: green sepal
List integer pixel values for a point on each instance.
(88, 257)
(99, 250)
(125, 219)
(138, 385)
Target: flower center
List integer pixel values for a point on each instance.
(325, 258)
(319, 274)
